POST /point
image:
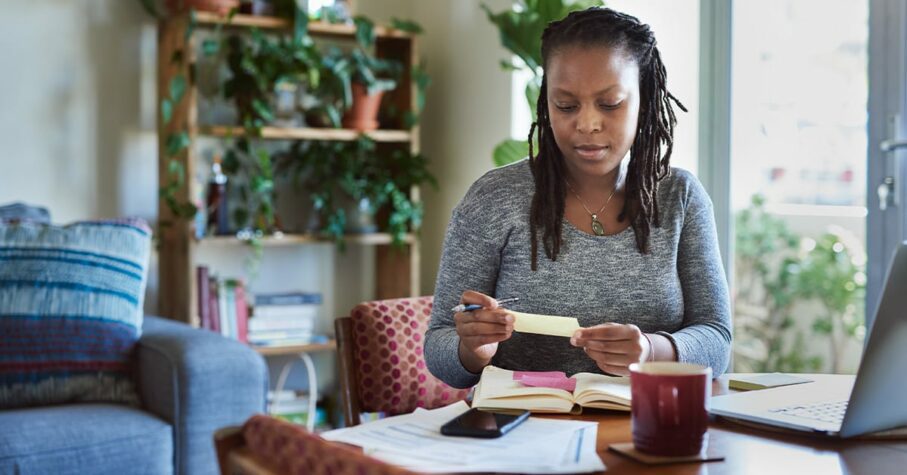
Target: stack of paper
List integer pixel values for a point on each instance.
(414, 441)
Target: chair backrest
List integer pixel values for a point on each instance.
(381, 365)
(266, 445)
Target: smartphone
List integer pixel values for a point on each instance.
(484, 423)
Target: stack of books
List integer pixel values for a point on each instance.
(282, 319)
(222, 305)
(294, 407)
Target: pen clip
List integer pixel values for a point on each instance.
(474, 306)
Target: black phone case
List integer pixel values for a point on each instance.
(456, 429)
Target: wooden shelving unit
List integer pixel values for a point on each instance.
(396, 271)
(268, 23)
(375, 239)
(330, 345)
(305, 133)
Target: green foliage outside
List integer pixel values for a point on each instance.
(782, 278)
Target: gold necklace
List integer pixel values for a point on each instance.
(597, 227)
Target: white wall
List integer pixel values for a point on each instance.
(77, 122)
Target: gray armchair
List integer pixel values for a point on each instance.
(191, 382)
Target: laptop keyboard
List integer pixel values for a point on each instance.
(831, 412)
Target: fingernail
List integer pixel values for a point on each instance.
(508, 318)
(573, 341)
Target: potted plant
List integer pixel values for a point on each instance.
(257, 68)
(352, 183)
(325, 104)
(369, 77)
(367, 89)
(251, 171)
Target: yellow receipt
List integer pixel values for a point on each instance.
(544, 324)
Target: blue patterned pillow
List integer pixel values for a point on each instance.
(70, 310)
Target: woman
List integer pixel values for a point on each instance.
(596, 226)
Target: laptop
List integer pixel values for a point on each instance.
(841, 406)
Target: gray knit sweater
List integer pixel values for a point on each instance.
(678, 290)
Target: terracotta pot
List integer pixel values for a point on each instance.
(221, 7)
(364, 113)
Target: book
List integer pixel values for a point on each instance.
(749, 382)
(281, 342)
(288, 298)
(279, 334)
(214, 305)
(503, 389)
(287, 311)
(222, 310)
(204, 295)
(242, 310)
(259, 323)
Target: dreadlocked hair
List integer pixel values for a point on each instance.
(599, 26)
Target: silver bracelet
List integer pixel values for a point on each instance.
(651, 347)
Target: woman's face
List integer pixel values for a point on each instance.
(593, 103)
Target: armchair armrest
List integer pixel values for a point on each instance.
(198, 381)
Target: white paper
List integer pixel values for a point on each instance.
(580, 457)
(538, 445)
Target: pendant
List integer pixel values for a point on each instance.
(597, 227)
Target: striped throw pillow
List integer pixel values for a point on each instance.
(70, 310)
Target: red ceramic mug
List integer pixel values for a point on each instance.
(670, 407)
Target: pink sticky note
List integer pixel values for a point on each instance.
(545, 379)
(518, 375)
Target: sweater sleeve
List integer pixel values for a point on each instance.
(470, 260)
(705, 335)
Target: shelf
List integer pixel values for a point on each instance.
(396, 271)
(331, 345)
(296, 239)
(306, 133)
(316, 28)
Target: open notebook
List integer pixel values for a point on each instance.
(498, 389)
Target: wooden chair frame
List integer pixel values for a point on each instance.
(346, 367)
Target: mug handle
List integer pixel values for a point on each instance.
(668, 413)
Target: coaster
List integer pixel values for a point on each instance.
(626, 449)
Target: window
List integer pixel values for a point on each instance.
(799, 91)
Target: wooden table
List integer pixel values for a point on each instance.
(757, 451)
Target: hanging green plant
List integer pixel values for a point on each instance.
(338, 172)
(257, 65)
(252, 178)
(177, 141)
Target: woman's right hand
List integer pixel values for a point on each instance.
(481, 330)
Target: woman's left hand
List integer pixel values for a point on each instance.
(613, 346)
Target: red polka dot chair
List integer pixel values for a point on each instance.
(266, 445)
(381, 365)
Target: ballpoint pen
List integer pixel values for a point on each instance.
(473, 306)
